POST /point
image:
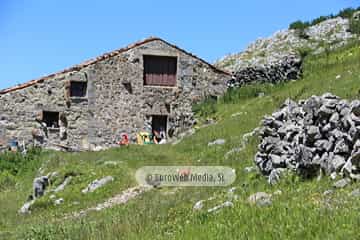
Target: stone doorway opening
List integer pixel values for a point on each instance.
(159, 123)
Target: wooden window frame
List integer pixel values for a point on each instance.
(162, 75)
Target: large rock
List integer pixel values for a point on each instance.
(39, 186)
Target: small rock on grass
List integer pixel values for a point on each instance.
(232, 190)
(260, 199)
(355, 193)
(59, 201)
(223, 205)
(342, 183)
(217, 142)
(328, 192)
(198, 205)
(26, 207)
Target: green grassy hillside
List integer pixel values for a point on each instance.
(300, 212)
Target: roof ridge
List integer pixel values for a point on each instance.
(104, 56)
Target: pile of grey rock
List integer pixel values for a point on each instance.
(317, 135)
(288, 68)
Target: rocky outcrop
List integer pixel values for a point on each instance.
(121, 198)
(40, 184)
(320, 133)
(279, 57)
(97, 184)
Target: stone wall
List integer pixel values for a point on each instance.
(117, 101)
(288, 68)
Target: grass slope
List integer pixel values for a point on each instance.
(300, 212)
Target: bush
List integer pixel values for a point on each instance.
(355, 26)
(320, 19)
(206, 108)
(346, 13)
(299, 25)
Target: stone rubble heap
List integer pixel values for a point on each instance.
(320, 134)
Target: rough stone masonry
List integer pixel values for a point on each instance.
(90, 105)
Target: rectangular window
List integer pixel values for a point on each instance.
(78, 89)
(51, 119)
(160, 70)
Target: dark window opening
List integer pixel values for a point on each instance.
(168, 107)
(159, 123)
(128, 87)
(51, 119)
(160, 70)
(78, 89)
(214, 98)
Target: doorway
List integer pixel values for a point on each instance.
(159, 123)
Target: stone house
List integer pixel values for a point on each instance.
(151, 84)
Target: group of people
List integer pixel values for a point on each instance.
(143, 138)
(159, 137)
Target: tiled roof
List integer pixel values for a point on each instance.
(103, 57)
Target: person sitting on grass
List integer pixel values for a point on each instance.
(124, 140)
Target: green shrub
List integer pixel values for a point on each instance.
(206, 108)
(355, 26)
(346, 13)
(299, 25)
(320, 19)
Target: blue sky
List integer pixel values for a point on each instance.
(39, 37)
